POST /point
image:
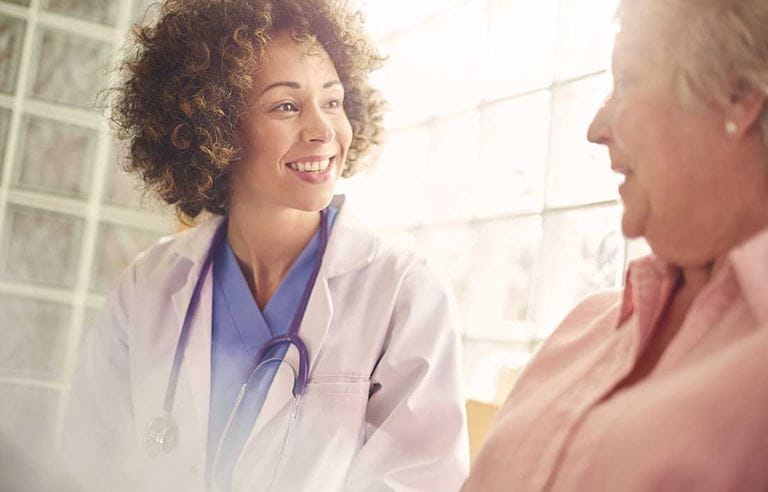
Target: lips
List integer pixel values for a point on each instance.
(623, 173)
(313, 169)
(311, 164)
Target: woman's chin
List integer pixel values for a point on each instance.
(631, 227)
(314, 203)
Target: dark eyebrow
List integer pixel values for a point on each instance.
(292, 85)
(296, 85)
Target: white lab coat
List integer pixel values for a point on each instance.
(383, 409)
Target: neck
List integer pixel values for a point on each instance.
(266, 241)
(746, 218)
(695, 277)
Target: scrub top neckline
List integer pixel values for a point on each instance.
(236, 292)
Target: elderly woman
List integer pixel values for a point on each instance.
(664, 386)
(278, 345)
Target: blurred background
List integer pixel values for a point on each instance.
(486, 167)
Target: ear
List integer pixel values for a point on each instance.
(744, 108)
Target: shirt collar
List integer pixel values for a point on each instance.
(749, 261)
(648, 281)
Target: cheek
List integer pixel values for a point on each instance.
(344, 133)
(267, 144)
(633, 130)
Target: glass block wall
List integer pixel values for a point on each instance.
(70, 219)
(488, 167)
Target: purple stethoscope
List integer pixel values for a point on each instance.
(162, 434)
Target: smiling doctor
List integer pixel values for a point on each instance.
(278, 345)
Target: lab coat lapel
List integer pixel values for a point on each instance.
(195, 372)
(191, 250)
(196, 367)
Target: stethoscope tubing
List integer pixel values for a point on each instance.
(290, 338)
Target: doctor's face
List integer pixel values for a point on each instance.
(296, 133)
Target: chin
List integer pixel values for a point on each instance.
(630, 228)
(313, 203)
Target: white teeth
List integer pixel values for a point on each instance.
(310, 166)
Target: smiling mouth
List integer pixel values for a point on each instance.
(313, 166)
(622, 173)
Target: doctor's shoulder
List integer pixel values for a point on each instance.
(161, 260)
(419, 278)
(388, 259)
(158, 271)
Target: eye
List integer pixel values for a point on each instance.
(286, 107)
(334, 104)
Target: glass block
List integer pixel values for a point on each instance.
(101, 11)
(520, 47)
(116, 247)
(491, 368)
(40, 247)
(71, 69)
(11, 40)
(450, 250)
(585, 39)
(27, 427)
(34, 337)
(582, 253)
(500, 279)
(89, 318)
(383, 18)
(432, 71)
(580, 172)
(146, 12)
(5, 121)
(121, 188)
(401, 170)
(513, 156)
(451, 175)
(74, 148)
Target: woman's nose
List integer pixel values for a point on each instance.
(318, 128)
(599, 132)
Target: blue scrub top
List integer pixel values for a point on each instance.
(239, 329)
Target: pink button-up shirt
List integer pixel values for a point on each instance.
(698, 422)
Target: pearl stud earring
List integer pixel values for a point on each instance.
(731, 128)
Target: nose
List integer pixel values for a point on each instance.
(317, 127)
(599, 129)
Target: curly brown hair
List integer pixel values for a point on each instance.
(188, 80)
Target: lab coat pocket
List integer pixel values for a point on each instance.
(324, 438)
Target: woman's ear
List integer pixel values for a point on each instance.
(743, 109)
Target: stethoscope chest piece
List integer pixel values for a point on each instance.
(161, 436)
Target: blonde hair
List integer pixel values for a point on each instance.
(715, 44)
